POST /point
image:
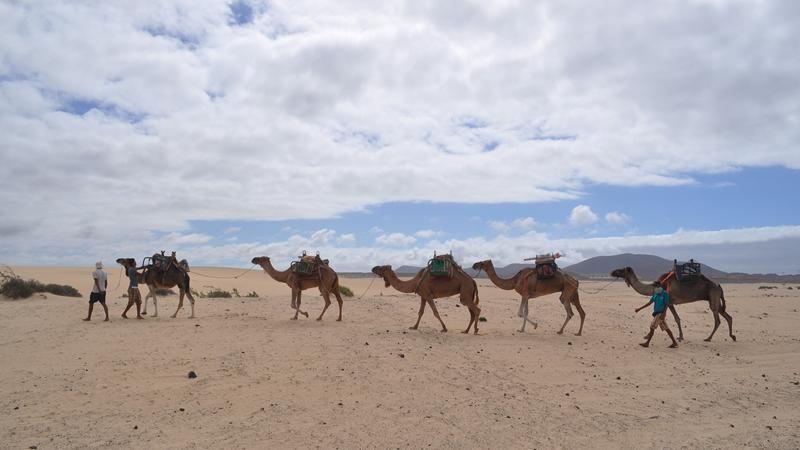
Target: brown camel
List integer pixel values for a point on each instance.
(429, 288)
(154, 279)
(526, 283)
(325, 278)
(684, 291)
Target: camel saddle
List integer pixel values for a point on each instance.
(442, 266)
(308, 265)
(688, 271)
(162, 263)
(545, 266)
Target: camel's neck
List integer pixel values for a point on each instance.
(638, 286)
(503, 283)
(280, 276)
(407, 286)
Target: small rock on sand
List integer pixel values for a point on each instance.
(192, 374)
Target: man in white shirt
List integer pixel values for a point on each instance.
(98, 290)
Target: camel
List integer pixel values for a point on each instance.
(681, 292)
(429, 288)
(154, 279)
(326, 279)
(526, 283)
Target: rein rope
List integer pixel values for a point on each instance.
(365, 290)
(226, 278)
(602, 288)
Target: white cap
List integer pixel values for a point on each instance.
(98, 265)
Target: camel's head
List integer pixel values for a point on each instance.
(126, 262)
(622, 273)
(480, 264)
(260, 260)
(381, 272)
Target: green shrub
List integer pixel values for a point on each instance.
(16, 288)
(19, 288)
(62, 289)
(218, 293)
(236, 293)
(164, 291)
(253, 294)
(344, 290)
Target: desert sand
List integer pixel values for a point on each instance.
(369, 382)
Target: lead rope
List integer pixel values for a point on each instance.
(365, 290)
(226, 278)
(598, 290)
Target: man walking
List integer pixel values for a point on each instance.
(98, 294)
(133, 292)
(660, 301)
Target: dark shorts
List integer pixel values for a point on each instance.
(134, 295)
(97, 297)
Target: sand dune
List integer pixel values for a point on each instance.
(368, 382)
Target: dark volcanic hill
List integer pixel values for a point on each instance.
(647, 267)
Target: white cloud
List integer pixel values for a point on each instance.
(348, 238)
(340, 117)
(192, 238)
(524, 223)
(427, 234)
(395, 239)
(323, 236)
(232, 230)
(499, 225)
(582, 215)
(617, 218)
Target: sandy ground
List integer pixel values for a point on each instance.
(368, 382)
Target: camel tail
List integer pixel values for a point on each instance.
(477, 299)
(721, 299)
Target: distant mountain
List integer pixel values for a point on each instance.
(647, 267)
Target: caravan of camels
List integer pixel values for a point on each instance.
(444, 277)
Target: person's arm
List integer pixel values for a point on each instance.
(644, 306)
(96, 284)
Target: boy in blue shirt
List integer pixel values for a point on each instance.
(660, 301)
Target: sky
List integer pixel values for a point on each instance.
(378, 133)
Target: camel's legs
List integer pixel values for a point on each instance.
(191, 301)
(716, 325)
(296, 302)
(677, 321)
(475, 312)
(471, 317)
(421, 310)
(327, 297)
(568, 309)
(180, 303)
(523, 312)
(728, 319)
(150, 293)
(577, 302)
(436, 314)
(339, 301)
